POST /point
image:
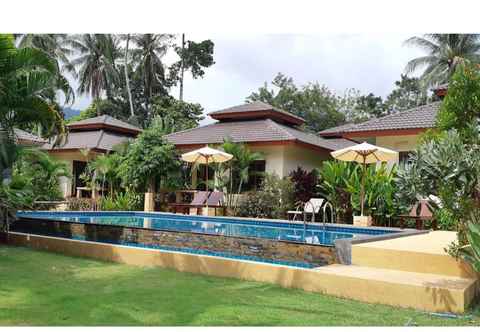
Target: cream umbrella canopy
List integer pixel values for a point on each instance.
(364, 154)
(206, 155)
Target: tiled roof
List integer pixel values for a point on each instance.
(419, 117)
(98, 139)
(105, 120)
(254, 108)
(264, 130)
(26, 137)
(338, 130)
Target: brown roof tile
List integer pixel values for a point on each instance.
(104, 121)
(25, 137)
(264, 130)
(98, 139)
(416, 118)
(253, 110)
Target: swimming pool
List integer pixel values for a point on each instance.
(270, 241)
(294, 232)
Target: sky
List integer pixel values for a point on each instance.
(369, 62)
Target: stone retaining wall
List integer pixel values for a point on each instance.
(264, 248)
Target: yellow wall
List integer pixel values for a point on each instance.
(398, 143)
(308, 159)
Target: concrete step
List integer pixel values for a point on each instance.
(419, 253)
(429, 292)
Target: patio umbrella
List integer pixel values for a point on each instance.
(364, 154)
(206, 155)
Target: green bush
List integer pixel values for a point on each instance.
(127, 201)
(273, 200)
(471, 251)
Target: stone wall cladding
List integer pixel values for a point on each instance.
(265, 248)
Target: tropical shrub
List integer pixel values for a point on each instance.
(43, 173)
(471, 251)
(448, 168)
(304, 183)
(460, 108)
(341, 184)
(334, 179)
(380, 191)
(13, 196)
(126, 201)
(149, 161)
(273, 200)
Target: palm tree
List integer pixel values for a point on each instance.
(97, 58)
(444, 51)
(149, 65)
(127, 80)
(56, 47)
(236, 172)
(28, 87)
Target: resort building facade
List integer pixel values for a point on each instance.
(86, 139)
(274, 133)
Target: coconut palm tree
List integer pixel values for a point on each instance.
(96, 62)
(55, 45)
(28, 87)
(444, 51)
(148, 54)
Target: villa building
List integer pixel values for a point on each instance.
(400, 131)
(86, 139)
(265, 129)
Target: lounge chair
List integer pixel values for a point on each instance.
(313, 207)
(215, 201)
(199, 199)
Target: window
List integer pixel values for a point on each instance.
(256, 172)
(403, 157)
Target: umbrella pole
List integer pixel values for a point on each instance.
(362, 193)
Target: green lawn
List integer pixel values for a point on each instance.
(39, 288)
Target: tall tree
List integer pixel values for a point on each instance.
(127, 80)
(57, 48)
(194, 57)
(97, 58)
(315, 103)
(443, 53)
(406, 95)
(148, 58)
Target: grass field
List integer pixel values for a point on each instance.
(39, 288)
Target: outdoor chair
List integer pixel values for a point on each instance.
(215, 201)
(312, 207)
(198, 201)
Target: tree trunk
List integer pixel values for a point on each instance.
(182, 68)
(127, 81)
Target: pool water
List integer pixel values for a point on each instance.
(315, 234)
